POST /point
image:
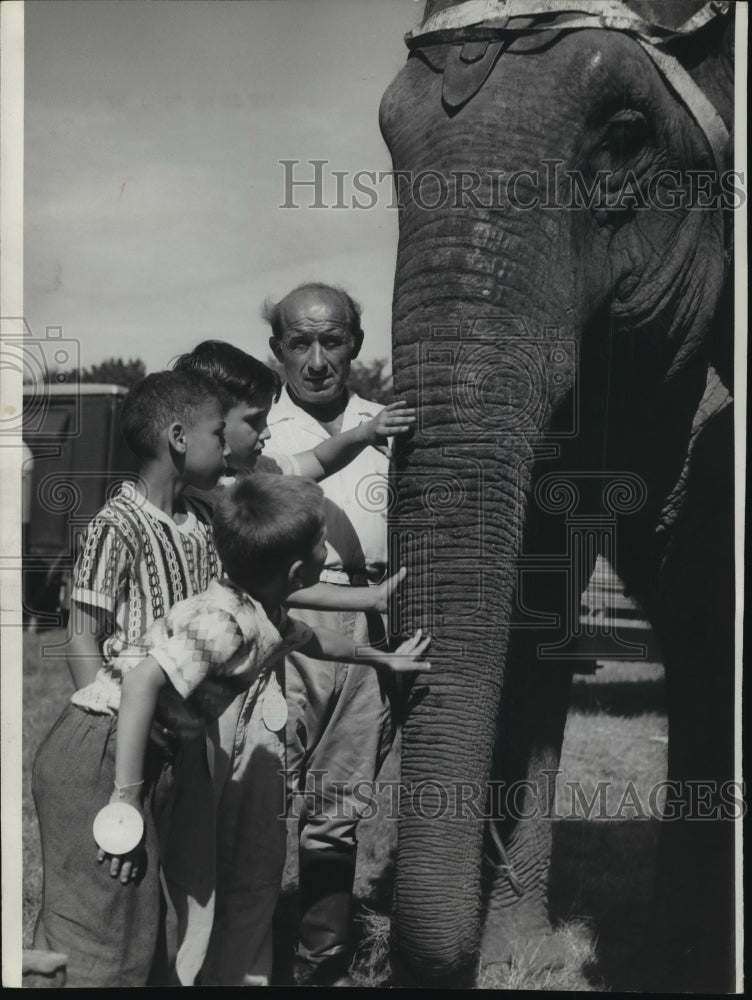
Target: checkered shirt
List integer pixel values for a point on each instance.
(212, 647)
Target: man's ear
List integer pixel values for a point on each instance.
(358, 339)
(276, 348)
(295, 575)
(176, 437)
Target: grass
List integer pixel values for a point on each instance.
(601, 868)
(530, 969)
(46, 688)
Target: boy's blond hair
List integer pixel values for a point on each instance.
(264, 522)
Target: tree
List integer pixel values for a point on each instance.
(370, 379)
(111, 371)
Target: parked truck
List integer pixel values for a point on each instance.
(78, 457)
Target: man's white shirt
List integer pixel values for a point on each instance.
(360, 490)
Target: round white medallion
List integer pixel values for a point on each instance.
(118, 828)
(274, 709)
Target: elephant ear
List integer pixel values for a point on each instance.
(708, 57)
(705, 48)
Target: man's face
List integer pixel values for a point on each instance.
(316, 346)
(245, 433)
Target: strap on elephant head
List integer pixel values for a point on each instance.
(480, 30)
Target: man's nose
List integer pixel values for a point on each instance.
(317, 356)
(226, 451)
(265, 433)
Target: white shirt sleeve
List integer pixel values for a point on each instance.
(285, 465)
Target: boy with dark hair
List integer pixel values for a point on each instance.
(247, 389)
(149, 547)
(236, 376)
(271, 537)
(251, 753)
(158, 400)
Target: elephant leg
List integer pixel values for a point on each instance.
(692, 931)
(693, 916)
(531, 730)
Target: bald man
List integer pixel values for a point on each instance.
(340, 727)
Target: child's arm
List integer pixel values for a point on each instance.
(83, 650)
(103, 564)
(138, 703)
(337, 451)
(330, 597)
(328, 645)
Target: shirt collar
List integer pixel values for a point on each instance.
(286, 409)
(276, 619)
(129, 492)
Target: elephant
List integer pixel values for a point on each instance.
(563, 322)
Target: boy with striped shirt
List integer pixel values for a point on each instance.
(149, 547)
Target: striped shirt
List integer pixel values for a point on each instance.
(136, 562)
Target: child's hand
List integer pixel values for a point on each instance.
(406, 656)
(393, 419)
(384, 591)
(127, 866)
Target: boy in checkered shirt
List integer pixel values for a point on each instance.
(148, 548)
(270, 536)
(234, 931)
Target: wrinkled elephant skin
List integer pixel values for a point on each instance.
(560, 357)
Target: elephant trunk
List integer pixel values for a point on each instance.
(475, 373)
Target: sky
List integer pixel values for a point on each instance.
(154, 133)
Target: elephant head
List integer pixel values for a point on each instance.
(562, 257)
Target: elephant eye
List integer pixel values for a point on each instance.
(625, 136)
